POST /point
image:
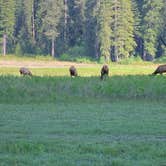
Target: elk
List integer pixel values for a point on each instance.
(73, 71)
(25, 71)
(104, 71)
(160, 70)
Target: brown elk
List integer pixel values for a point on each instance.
(104, 71)
(73, 71)
(25, 71)
(160, 70)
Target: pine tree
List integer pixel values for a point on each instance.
(51, 14)
(91, 40)
(105, 29)
(162, 35)
(151, 26)
(123, 29)
(116, 30)
(76, 19)
(29, 8)
(7, 21)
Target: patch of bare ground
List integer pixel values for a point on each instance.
(42, 64)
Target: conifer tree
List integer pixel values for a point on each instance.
(105, 29)
(7, 21)
(51, 14)
(151, 26)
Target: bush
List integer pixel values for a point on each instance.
(131, 60)
(77, 51)
(103, 60)
(18, 50)
(66, 57)
(160, 60)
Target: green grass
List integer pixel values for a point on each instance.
(94, 70)
(83, 133)
(51, 119)
(27, 58)
(48, 89)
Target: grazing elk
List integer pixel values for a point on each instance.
(73, 71)
(160, 70)
(104, 71)
(25, 71)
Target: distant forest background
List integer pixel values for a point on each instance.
(100, 29)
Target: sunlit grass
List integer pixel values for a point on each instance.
(84, 71)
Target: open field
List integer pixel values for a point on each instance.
(51, 119)
(84, 70)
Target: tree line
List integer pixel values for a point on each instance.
(108, 29)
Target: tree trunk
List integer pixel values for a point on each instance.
(52, 48)
(65, 22)
(144, 55)
(33, 22)
(115, 32)
(4, 44)
(96, 47)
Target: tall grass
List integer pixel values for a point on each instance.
(49, 89)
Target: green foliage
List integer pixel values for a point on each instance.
(77, 54)
(103, 60)
(77, 51)
(152, 24)
(105, 29)
(160, 59)
(80, 59)
(132, 60)
(18, 50)
(115, 29)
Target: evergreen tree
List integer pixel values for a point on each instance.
(29, 8)
(105, 29)
(7, 21)
(151, 26)
(76, 19)
(116, 29)
(91, 28)
(162, 35)
(51, 14)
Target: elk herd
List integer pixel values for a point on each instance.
(72, 70)
(103, 73)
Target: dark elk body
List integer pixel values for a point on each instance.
(160, 70)
(25, 71)
(73, 71)
(104, 71)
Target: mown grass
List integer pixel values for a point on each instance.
(52, 119)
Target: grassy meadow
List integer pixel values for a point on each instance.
(51, 119)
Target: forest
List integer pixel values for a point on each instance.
(111, 30)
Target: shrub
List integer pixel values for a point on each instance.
(160, 60)
(131, 60)
(18, 50)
